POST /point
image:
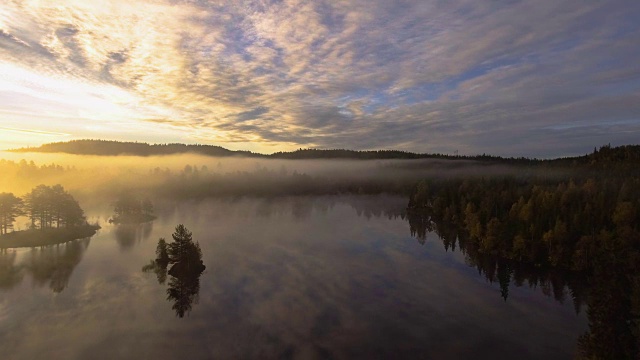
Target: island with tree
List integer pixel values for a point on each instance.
(185, 258)
(56, 217)
(130, 210)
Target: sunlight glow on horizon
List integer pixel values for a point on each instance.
(74, 108)
(78, 109)
(422, 76)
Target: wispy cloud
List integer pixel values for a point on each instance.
(467, 75)
(29, 131)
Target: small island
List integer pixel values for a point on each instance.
(129, 210)
(185, 257)
(56, 218)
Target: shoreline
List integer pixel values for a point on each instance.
(46, 237)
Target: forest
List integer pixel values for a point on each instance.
(583, 232)
(570, 226)
(54, 214)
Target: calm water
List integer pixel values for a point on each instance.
(288, 278)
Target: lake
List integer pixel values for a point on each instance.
(330, 277)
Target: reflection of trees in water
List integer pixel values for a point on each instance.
(10, 274)
(183, 290)
(185, 258)
(419, 226)
(611, 288)
(390, 207)
(301, 208)
(127, 235)
(613, 312)
(54, 265)
(159, 269)
(553, 281)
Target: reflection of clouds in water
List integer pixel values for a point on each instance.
(283, 285)
(330, 284)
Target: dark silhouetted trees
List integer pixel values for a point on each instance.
(183, 253)
(46, 206)
(162, 255)
(560, 223)
(185, 257)
(10, 208)
(129, 210)
(605, 155)
(583, 234)
(53, 207)
(183, 290)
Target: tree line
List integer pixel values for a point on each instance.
(46, 206)
(586, 231)
(113, 148)
(561, 223)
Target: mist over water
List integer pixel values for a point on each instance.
(300, 277)
(197, 176)
(304, 259)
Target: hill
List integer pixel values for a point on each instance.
(601, 158)
(114, 148)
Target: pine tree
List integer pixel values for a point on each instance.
(162, 257)
(10, 208)
(179, 248)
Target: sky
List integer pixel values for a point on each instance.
(536, 78)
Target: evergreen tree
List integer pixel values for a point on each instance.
(49, 207)
(10, 209)
(179, 248)
(186, 259)
(129, 210)
(162, 256)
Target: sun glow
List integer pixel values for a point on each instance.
(68, 107)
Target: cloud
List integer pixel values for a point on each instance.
(438, 76)
(28, 131)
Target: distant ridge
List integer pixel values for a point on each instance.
(115, 148)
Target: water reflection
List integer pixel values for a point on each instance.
(613, 312)
(611, 290)
(10, 274)
(127, 235)
(331, 285)
(185, 258)
(53, 265)
(183, 290)
(50, 266)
